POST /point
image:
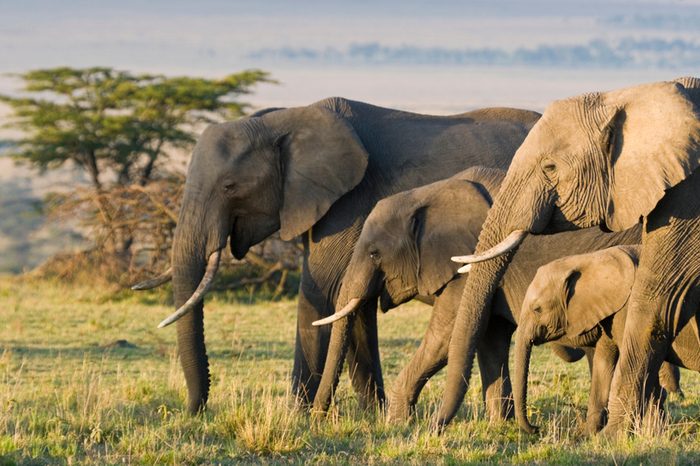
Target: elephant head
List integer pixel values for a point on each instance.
(566, 301)
(598, 159)
(400, 253)
(277, 170)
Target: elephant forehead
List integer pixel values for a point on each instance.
(225, 139)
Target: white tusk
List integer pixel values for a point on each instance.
(464, 269)
(512, 241)
(198, 295)
(349, 308)
(164, 277)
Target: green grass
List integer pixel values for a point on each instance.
(69, 394)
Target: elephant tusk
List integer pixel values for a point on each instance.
(198, 295)
(164, 277)
(464, 269)
(512, 241)
(349, 308)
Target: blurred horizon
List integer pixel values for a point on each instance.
(432, 57)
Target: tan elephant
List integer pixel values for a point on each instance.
(611, 159)
(400, 255)
(581, 301)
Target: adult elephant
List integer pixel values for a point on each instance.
(606, 159)
(400, 255)
(314, 171)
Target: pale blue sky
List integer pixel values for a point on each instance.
(439, 56)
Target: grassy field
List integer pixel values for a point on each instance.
(86, 378)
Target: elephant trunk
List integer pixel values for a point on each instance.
(193, 243)
(503, 219)
(190, 332)
(523, 350)
(356, 288)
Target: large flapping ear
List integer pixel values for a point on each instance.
(322, 159)
(597, 285)
(654, 141)
(448, 222)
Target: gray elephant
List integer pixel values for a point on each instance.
(609, 159)
(580, 301)
(313, 171)
(401, 254)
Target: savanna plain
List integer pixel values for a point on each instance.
(86, 378)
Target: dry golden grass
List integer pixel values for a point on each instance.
(72, 393)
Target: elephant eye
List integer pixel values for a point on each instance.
(374, 255)
(549, 169)
(537, 309)
(230, 187)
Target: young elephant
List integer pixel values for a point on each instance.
(581, 301)
(400, 255)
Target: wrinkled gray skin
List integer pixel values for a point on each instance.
(402, 253)
(580, 300)
(322, 166)
(606, 159)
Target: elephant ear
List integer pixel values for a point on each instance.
(447, 223)
(322, 159)
(598, 286)
(653, 135)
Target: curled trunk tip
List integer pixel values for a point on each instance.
(522, 365)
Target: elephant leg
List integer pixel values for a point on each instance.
(492, 355)
(311, 343)
(643, 349)
(669, 378)
(363, 358)
(602, 369)
(429, 358)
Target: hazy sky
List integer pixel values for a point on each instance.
(422, 55)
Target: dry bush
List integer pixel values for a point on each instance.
(132, 228)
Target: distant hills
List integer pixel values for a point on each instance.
(623, 53)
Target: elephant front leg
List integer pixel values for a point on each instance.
(492, 355)
(363, 359)
(311, 345)
(644, 346)
(602, 369)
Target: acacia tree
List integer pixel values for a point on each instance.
(120, 128)
(106, 120)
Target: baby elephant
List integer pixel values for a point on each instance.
(581, 301)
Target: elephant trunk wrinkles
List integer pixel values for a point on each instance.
(523, 350)
(472, 316)
(358, 280)
(189, 260)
